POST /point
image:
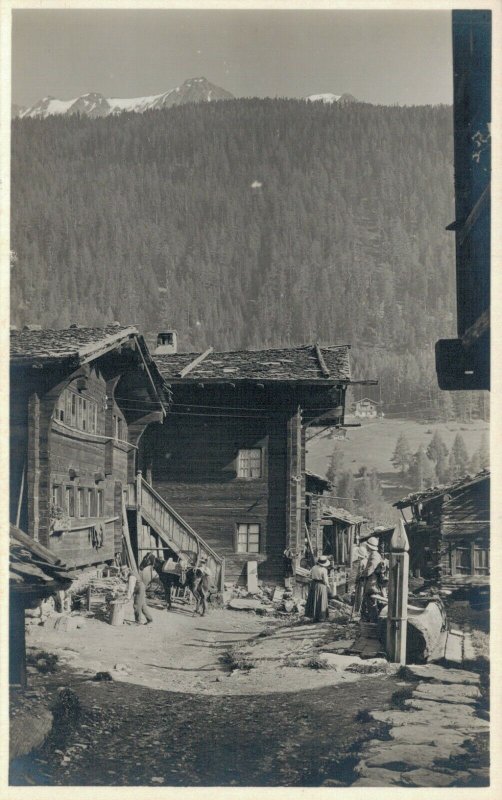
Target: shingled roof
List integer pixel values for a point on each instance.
(437, 492)
(287, 364)
(33, 569)
(74, 344)
(342, 515)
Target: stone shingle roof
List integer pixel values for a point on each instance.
(437, 492)
(287, 364)
(76, 345)
(342, 515)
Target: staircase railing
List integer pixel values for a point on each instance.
(174, 530)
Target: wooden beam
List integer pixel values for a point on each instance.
(194, 363)
(324, 368)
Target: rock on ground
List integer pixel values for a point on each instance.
(433, 672)
(453, 693)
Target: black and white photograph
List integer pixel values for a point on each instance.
(249, 252)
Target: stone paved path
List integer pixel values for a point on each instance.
(432, 737)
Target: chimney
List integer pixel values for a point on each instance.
(167, 343)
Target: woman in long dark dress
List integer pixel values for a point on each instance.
(317, 600)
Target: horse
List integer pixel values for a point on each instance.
(197, 581)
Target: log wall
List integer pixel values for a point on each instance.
(194, 467)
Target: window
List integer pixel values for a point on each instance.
(82, 502)
(93, 507)
(249, 463)
(248, 538)
(101, 503)
(119, 427)
(77, 411)
(70, 501)
(57, 492)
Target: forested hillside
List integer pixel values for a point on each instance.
(245, 223)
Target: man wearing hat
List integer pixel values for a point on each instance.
(317, 600)
(371, 581)
(136, 590)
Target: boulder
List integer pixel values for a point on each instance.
(376, 776)
(429, 777)
(406, 756)
(426, 734)
(244, 604)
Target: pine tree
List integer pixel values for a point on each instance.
(484, 452)
(346, 490)
(436, 447)
(421, 471)
(402, 456)
(459, 457)
(475, 463)
(335, 467)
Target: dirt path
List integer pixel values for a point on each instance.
(181, 653)
(175, 715)
(129, 735)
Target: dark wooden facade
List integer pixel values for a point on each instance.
(464, 363)
(229, 407)
(449, 532)
(80, 400)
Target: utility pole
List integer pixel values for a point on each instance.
(397, 612)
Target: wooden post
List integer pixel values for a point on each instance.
(397, 614)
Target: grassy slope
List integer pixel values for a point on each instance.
(373, 445)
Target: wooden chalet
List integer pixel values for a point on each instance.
(366, 408)
(34, 574)
(80, 400)
(230, 456)
(449, 532)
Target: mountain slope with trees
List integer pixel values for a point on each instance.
(244, 223)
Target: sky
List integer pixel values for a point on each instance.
(385, 57)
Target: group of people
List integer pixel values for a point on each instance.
(371, 584)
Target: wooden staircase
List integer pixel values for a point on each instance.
(171, 529)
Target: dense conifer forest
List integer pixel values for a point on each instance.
(245, 223)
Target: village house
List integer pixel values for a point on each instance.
(229, 459)
(80, 400)
(366, 408)
(449, 532)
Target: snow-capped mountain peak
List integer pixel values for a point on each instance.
(328, 98)
(94, 104)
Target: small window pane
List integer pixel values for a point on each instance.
(101, 503)
(92, 503)
(249, 463)
(70, 501)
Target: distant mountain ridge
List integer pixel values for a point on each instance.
(193, 90)
(327, 97)
(94, 104)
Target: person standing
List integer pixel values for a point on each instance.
(371, 576)
(317, 600)
(136, 590)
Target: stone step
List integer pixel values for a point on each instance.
(439, 674)
(454, 648)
